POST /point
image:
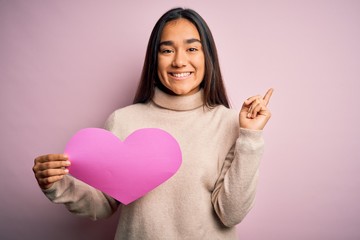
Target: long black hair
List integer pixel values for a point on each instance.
(214, 89)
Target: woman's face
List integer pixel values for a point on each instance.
(181, 61)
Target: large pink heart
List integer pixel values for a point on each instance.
(124, 170)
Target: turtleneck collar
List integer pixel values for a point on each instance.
(178, 103)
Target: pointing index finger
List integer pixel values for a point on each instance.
(267, 96)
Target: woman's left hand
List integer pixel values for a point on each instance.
(254, 113)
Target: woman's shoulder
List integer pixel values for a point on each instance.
(226, 112)
(131, 109)
(125, 114)
(227, 116)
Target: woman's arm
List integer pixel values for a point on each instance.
(235, 189)
(81, 199)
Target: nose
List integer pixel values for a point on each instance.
(180, 59)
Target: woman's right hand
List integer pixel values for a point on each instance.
(50, 168)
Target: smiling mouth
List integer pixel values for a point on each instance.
(180, 75)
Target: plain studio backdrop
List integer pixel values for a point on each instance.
(66, 65)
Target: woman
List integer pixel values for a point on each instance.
(181, 91)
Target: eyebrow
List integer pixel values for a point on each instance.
(187, 41)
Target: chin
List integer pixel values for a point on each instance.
(178, 90)
(184, 92)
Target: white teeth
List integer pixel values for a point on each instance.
(180, 75)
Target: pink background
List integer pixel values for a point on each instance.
(66, 65)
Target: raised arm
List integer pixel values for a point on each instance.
(235, 189)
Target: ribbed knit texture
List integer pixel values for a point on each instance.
(212, 191)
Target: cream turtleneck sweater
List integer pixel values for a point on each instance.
(212, 191)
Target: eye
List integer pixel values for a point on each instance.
(192, 49)
(166, 51)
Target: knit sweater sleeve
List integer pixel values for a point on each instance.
(81, 198)
(234, 191)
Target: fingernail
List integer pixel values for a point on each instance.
(249, 115)
(67, 163)
(66, 170)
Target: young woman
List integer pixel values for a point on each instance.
(181, 91)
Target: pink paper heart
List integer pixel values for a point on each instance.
(124, 170)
